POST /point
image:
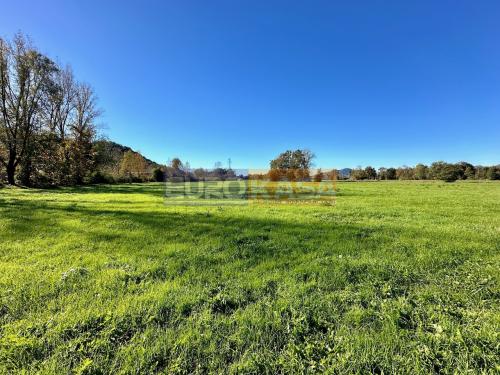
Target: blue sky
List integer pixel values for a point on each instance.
(359, 82)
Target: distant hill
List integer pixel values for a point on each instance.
(109, 155)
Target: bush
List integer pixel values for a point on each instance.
(3, 177)
(100, 178)
(449, 173)
(158, 175)
(130, 179)
(318, 177)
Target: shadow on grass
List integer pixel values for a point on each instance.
(155, 189)
(247, 236)
(250, 239)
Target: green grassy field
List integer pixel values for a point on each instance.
(396, 277)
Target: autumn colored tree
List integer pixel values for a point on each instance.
(405, 173)
(319, 175)
(133, 166)
(332, 175)
(421, 172)
(274, 174)
(294, 165)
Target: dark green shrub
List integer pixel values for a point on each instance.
(493, 172)
(391, 173)
(445, 171)
(158, 175)
(101, 178)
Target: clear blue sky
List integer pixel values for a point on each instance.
(357, 82)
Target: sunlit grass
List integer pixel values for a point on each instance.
(398, 277)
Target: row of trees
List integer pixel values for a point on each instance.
(178, 169)
(296, 166)
(436, 171)
(47, 118)
(133, 167)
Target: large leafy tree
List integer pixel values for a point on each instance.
(370, 173)
(421, 172)
(445, 171)
(83, 130)
(294, 165)
(26, 77)
(298, 159)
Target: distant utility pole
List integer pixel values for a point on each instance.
(229, 162)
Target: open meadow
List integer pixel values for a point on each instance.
(396, 277)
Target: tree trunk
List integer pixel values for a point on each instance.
(11, 171)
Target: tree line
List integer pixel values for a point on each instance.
(176, 169)
(47, 118)
(116, 164)
(439, 170)
(296, 165)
